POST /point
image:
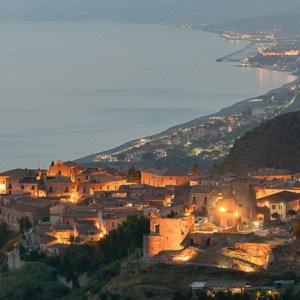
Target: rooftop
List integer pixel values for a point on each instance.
(284, 196)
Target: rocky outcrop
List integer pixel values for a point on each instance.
(249, 256)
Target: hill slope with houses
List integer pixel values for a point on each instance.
(205, 140)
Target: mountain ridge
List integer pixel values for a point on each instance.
(275, 143)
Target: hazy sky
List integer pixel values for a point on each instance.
(145, 10)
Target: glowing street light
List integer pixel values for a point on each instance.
(222, 209)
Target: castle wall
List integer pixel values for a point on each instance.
(167, 234)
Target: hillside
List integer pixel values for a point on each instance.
(204, 140)
(274, 143)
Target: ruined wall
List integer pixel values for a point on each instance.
(219, 238)
(255, 254)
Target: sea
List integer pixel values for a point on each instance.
(70, 89)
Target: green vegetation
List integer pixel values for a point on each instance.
(275, 143)
(98, 262)
(4, 234)
(134, 175)
(24, 224)
(32, 281)
(7, 241)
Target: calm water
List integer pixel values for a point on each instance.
(73, 89)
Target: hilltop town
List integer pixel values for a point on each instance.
(238, 223)
(191, 213)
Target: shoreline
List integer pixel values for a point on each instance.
(133, 143)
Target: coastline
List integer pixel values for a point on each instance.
(225, 111)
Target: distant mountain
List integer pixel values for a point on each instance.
(275, 143)
(166, 11)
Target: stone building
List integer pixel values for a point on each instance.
(59, 186)
(12, 211)
(271, 174)
(166, 234)
(67, 169)
(110, 219)
(22, 181)
(281, 203)
(164, 177)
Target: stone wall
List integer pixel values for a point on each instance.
(219, 238)
(256, 254)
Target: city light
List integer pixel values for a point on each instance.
(222, 209)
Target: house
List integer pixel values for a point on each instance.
(110, 219)
(86, 231)
(76, 214)
(164, 177)
(66, 169)
(22, 181)
(13, 210)
(90, 184)
(271, 174)
(4, 185)
(59, 186)
(281, 203)
(202, 197)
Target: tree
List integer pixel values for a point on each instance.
(291, 213)
(24, 224)
(148, 157)
(275, 216)
(32, 281)
(133, 174)
(4, 234)
(195, 169)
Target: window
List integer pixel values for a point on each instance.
(273, 206)
(156, 228)
(205, 200)
(32, 188)
(194, 199)
(67, 189)
(22, 187)
(281, 206)
(10, 186)
(50, 189)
